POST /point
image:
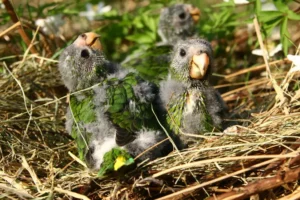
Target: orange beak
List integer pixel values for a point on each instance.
(195, 13)
(92, 40)
(199, 66)
(89, 39)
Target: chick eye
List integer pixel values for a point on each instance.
(182, 52)
(182, 15)
(85, 53)
(83, 36)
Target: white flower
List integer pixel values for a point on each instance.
(296, 61)
(238, 1)
(268, 7)
(51, 24)
(271, 51)
(92, 11)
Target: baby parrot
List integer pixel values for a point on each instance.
(110, 111)
(193, 106)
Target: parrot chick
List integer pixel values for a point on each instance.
(178, 22)
(116, 112)
(193, 105)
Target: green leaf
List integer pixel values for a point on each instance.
(284, 36)
(266, 16)
(138, 23)
(151, 35)
(224, 4)
(222, 18)
(140, 38)
(270, 25)
(234, 23)
(70, 11)
(292, 15)
(150, 23)
(257, 7)
(281, 5)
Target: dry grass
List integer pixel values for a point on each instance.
(36, 161)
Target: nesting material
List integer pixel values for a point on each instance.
(260, 158)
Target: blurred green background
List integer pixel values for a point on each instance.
(128, 26)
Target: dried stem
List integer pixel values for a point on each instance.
(188, 190)
(255, 68)
(280, 95)
(15, 19)
(283, 177)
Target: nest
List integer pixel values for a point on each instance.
(38, 159)
(257, 159)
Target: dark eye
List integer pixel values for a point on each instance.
(182, 52)
(182, 15)
(85, 53)
(83, 36)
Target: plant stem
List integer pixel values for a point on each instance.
(15, 19)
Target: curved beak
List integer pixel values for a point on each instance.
(195, 13)
(199, 66)
(90, 39)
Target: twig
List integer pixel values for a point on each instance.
(274, 165)
(285, 83)
(150, 148)
(47, 44)
(54, 101)
(280, 95)
(15, 25)
(166, 132)
(223, 148)
(237, 83)
(32, 173)
(181, 193)
(262, 82)
(294, 195)
(20, 192)
(77, 159)
(268, 183)
(226, 159)
(30, 45)
(171, 140)
(255, 68)
(22, 90)
(70, 193)
(15, 19)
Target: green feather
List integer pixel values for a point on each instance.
(206, 120)
(175, 112)
(176, 108)
(110, 159)
(83, 112)
(152, 64)
(120, 93)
